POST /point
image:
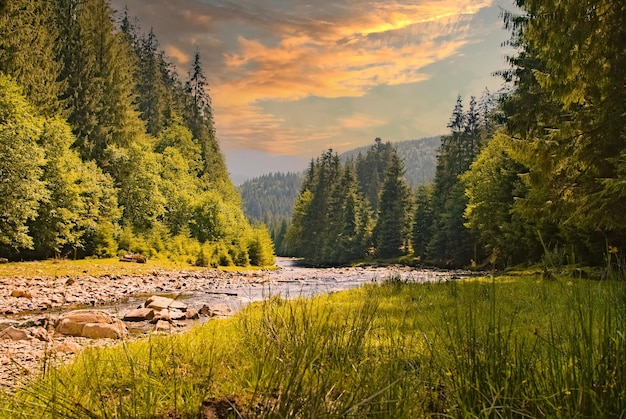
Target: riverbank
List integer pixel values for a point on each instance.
(507, 346)
(31, 300)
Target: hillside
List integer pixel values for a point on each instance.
(270, 198)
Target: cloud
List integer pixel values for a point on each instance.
(255, 51)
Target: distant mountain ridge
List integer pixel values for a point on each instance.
(419, 157)
(270, 198)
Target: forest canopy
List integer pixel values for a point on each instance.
(105, 149)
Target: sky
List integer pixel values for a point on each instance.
(290, 79)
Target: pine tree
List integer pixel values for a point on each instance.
(28, 49)
(391, 233)
(451, 243)
(568, 111)
(422, 221)
(199, 117)
(371, 170)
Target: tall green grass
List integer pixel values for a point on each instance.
(503, 347)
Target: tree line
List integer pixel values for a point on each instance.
(365, 208)
(104, 148)
(534, 174)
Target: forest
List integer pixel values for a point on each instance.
(533, 174)
(104, 149)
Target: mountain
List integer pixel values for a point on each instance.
(244, 165)
(270, 197)
(419, 158)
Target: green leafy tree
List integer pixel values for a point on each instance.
(261, 247)
(73, 208)
(21, 161)
(137, 174)
(493, 186)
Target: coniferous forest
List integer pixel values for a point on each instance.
(105, 149)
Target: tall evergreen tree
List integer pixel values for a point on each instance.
(199, 116)
(28, 49)
(568, 110)
(391, 234)
(422, 221)
(451, 243)
(371, 170)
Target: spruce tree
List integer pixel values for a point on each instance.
(391, 233)
(28, 51)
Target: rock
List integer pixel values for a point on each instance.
(114, 330)
(93, 324)
(139, 314)
(192, 314)
(41, 334)
(133, 257)
(216, 310)
(168, 315)
(162, 326)
(4, 260)
(11, 333)
(68, 347)
(21, 294)
(159, 303)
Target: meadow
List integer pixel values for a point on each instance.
(508, 346)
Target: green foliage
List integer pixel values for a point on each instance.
(451, 243)
(137, 177)
(28, 47)
(125, 143)
(422, 221)
(261, 247)
(391, 234)
(568, 111)
(493, 187)
(331, 220)
(21, 161)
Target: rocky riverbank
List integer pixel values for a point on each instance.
(33, 305)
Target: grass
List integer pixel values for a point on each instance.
(95, 267)
(504, 347)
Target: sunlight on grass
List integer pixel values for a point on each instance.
(95, 267)
(476, 348)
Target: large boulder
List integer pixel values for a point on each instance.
(94, 324)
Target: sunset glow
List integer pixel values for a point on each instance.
(295, 77)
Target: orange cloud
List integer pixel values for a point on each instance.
(177, 54)
(255, 52)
